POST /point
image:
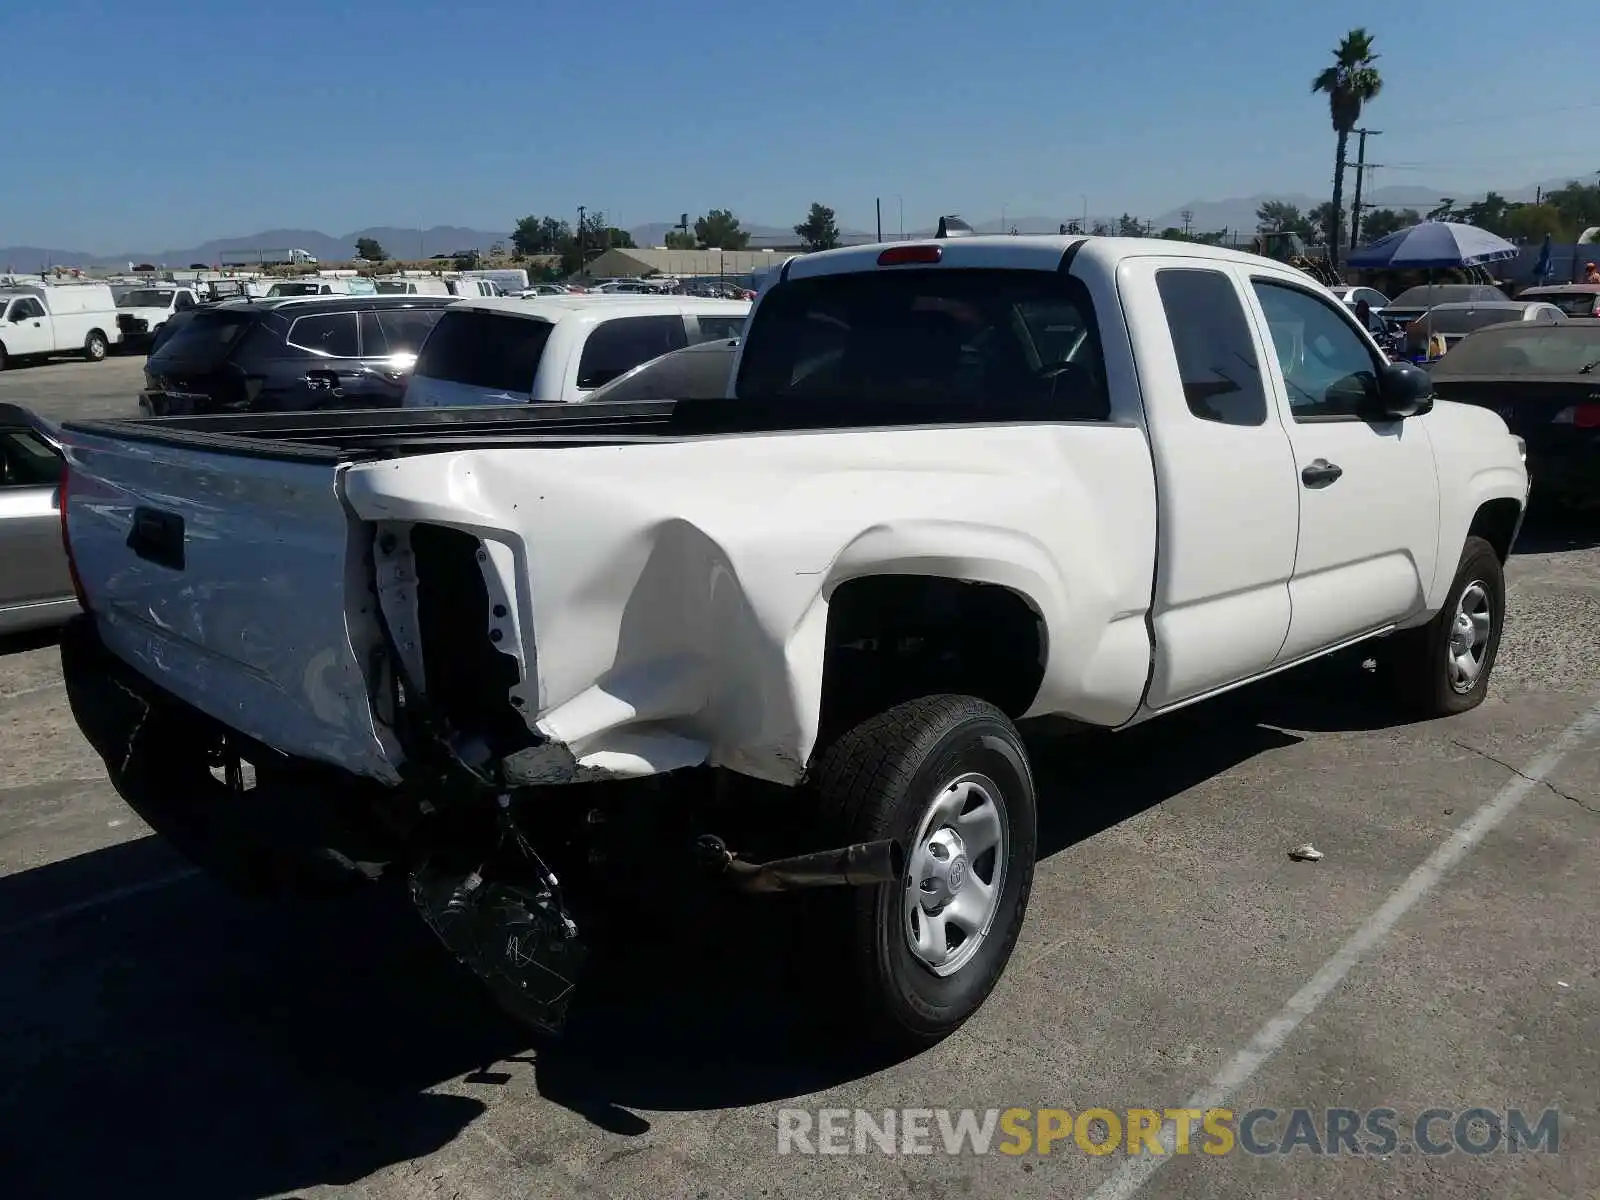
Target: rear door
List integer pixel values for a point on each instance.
(1368, 489)
(1224, 477)
(329, 345)
(390, 340)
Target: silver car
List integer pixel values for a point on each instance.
(35, 584)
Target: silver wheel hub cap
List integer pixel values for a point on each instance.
(955, 873)
(1470, 628)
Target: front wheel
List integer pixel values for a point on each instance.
(1443, 668)
(94, 346)
(948, 778)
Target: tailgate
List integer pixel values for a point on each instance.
(224, 579)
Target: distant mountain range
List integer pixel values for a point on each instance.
(1236, 213)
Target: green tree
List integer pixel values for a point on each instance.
(1279, 216)
(819, 231)
(1489, 213)
(540, 235)
(719, 230)
(1381, 222)
(369, 249)
(1530, 222)
(1350, 83)
(1321, 221)
(1100, 229)
(1445, 210)
(1129, 226)
(466, 262)
(1578, 204)
(677, 239)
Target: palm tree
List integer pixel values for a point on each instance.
(1349, 83)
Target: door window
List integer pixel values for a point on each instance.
(184, 301)
(719, 329)
(332, 335)
(619, 345)
(1327, 367)
(1216, 354)
(25, 309)
(26, 460)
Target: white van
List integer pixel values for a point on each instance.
(474, 287)
(556, 349)
(319, 286)
(401, 285)
(40, 319)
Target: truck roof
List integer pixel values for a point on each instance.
(1003, 251)
(556, 308)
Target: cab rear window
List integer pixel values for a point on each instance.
(484, 350)
(975, 341)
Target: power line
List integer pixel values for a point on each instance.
(1502, 116)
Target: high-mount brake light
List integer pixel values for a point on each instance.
(896, 256)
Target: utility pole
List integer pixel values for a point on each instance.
(877, 203)
(1188, 220)
(1361, 173)
(581, 211)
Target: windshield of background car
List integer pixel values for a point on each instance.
(1464, 320)
(295, 289)
(145, 299)
(1446, 293)
(206, 338)
(966, 339)
(1536, 350)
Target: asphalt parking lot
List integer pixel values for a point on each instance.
(162, 1038)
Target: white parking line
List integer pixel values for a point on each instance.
(1135, 1172)
(93, 902)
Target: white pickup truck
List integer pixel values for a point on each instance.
(143, 311)
(518, 656)
(41, 319)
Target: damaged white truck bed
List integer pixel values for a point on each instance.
(953, 484)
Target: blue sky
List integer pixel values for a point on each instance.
(161, 124)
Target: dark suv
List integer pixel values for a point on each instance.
(288, 355)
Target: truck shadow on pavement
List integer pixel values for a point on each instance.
(175, 1040)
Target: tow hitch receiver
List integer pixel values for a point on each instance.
(860, 865)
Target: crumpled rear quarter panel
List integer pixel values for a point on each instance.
(677, 591)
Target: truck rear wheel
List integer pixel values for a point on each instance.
(947, 777)
(94, 346)
(1443, 668)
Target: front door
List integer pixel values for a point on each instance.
(1369, 490)
(27, 329)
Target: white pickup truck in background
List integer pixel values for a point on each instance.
(514, 655)
(41, 319)
(143, 311)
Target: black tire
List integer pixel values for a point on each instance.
(1419, 660)
(4, 361)
(95, 346)
(879, 780)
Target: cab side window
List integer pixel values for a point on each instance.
(1328, 369)
(1211, 339)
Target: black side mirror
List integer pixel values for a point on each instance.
(1404, 390)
